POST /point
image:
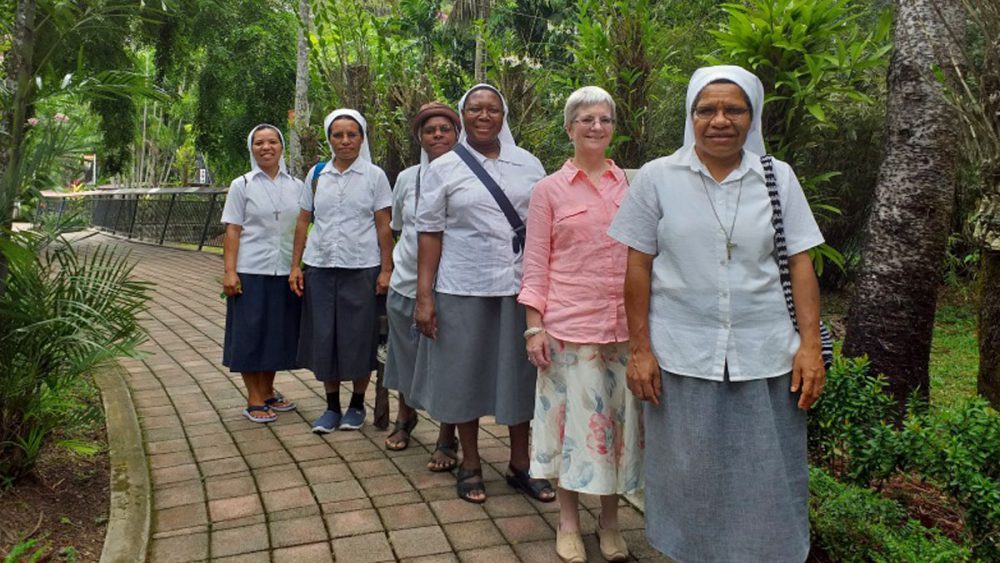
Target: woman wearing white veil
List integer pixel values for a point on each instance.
(349, 257)
(262, 315)
(713, 349)
(472, 363)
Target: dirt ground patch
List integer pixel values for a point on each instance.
(62, 507)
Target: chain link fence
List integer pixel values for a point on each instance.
(188, 216)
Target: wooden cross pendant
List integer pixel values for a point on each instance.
(276, 213)
(730, 245)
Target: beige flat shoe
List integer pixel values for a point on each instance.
(613, 546)
(569, 547)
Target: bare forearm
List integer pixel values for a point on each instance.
(231, 247)
(385, 241)
(638, 282)
(428, 259)
(299, 244)
(805, 294)
(533, 317)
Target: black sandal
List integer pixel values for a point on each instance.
(465, 488)
(450, 451)
(406, 426)
(521, 481)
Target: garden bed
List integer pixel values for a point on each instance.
(60, 511)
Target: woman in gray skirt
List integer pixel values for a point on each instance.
(262, 315)
(713, 349)
(472, 363)
(349, 259)
(436, 128)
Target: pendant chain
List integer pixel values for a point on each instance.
(730, 245)
(274, 206)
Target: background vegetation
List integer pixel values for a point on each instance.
(155, 88)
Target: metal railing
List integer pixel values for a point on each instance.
(191, 216)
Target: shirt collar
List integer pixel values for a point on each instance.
(750, 163)
(356, 166)
(570, 170)
(257, 172)
(508, 154)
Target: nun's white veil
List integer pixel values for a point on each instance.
(254, 167)
(747, 81)
(505, 136)
(365, 152)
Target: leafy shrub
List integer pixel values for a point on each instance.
(61, 316)
(849, 428)
(853, 523)
(958, 448)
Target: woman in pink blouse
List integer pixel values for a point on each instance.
(586, 430)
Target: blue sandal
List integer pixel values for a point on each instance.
(248, 412)
(272, 403)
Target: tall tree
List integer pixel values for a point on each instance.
(891, 316)
(978, 102)
(301, 119)
(474, 12)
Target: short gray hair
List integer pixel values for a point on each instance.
(586, 96)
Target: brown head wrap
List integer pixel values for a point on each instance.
(434, 109)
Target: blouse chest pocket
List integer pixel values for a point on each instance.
(571, 224)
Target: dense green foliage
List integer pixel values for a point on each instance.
(854, 524)
(955, 448)
(63, 316)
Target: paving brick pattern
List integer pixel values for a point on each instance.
(227, 489)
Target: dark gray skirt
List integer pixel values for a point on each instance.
(262, 325)
(727, 479)
(339, 336)
(401, 358)
(477, 366)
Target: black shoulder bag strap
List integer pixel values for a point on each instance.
(501, 198)
(781, 256)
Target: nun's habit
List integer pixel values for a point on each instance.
(262, 323)
(476, 366)
(339, 335)
(726, 472)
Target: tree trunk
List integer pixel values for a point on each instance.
(989, 327)
(19, 81)
(301, 119)
(891, 317)
(478, 71)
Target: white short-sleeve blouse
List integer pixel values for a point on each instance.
(266, 209)
(404, 254)
(707, 311)
(477, 255)
(343, 233)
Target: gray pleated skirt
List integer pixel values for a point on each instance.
(262, 325)
(403, 338)
(727, 479)
(477, 366)
(339, 335)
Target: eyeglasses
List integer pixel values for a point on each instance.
(590, 120)
(490, 111)
(351, 135)
(432, 129)
(732, 113)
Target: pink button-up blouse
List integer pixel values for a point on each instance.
(574, 273)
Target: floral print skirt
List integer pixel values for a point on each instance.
(587, 428)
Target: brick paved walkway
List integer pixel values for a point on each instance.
(225, 488)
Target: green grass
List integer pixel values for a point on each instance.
(186, 246)
(954, 349)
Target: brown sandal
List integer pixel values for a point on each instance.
(405, 426)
